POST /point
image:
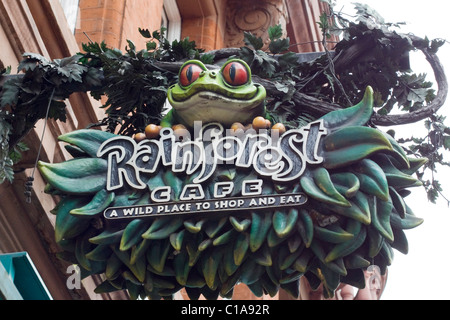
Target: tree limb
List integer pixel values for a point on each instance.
(430, 109)
(307, 103)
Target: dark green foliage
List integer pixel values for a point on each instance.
(134, 85)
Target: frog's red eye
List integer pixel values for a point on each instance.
(189, 74)
(235, 73)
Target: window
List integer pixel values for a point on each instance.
(70, 8)
(171, 19)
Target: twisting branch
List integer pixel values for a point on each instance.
(430, 109)
(308, 103)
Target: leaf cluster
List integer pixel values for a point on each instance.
(279, 65)
(398, 87)
(373, 53)
(370, 53)
(43, 85)
(433, 147)
(8, 156)
(38, 91)
(134, 85)
(264, 63)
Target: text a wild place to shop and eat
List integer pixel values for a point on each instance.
(282, 159)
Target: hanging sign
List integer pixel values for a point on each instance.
(216, 206)
(281, 159)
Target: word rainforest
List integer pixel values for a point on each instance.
(283, 158)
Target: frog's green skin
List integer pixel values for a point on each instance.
(211, 99)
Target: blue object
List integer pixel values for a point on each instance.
(19, 278)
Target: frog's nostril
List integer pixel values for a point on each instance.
(213, 74)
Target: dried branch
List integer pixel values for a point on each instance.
(430, 109)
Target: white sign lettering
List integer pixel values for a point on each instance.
(282, 158)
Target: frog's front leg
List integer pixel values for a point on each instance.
(168, 120)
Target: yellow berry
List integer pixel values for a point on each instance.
(260, 123)
(237, 126)
(139, 136)
(152, 131)
(178, 126)
(280, 127)
(180, 132)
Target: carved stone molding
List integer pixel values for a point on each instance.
(254, 16)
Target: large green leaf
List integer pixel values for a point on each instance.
(350, 144)
(98, 204)
(68, 226)
(87, 139)
(357, 115)
(77, 176)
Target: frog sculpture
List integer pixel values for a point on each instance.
(226, 95)
(354, 216)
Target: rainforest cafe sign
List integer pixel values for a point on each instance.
(219, 208)
(280, 158)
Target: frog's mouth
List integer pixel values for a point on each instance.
(208, 106)
(213, 100)
(218, 99)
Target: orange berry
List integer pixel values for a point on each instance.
(178, 126)
(237, 126)
(260, 123)
(152, 131)
(180, 132)
(280, 127)
(139, 136)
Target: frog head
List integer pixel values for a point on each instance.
(224, 95)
